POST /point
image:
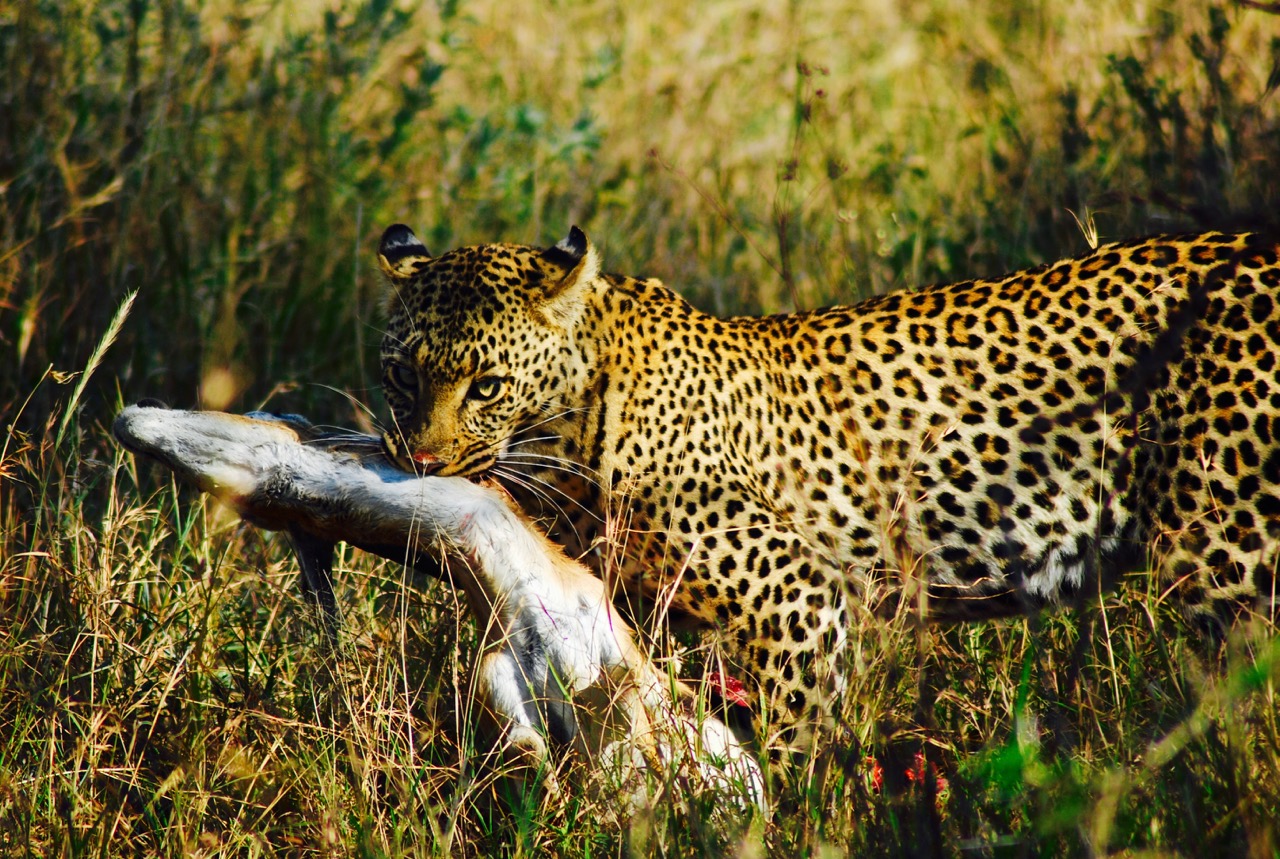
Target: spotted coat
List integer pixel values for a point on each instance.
(1010, 443)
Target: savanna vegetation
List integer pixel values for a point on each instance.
(190, 199)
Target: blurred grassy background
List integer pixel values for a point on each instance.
(234, 162)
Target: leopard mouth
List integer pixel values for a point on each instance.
(477, 466)
(480, 471)
(428, 465)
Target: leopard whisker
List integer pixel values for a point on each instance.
(539, 488)
(516, 442)
(554, 463)
(553, 417)
(527, 481)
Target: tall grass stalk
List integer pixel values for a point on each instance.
(95, 360)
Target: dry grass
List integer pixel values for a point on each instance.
(163, 689)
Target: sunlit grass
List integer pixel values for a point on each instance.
(163, 689)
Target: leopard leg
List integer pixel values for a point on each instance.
(790, 637)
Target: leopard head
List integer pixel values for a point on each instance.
(480, 344)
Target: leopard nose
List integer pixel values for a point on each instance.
(427, 463)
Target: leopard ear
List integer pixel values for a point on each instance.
(581, 264)
(399, 251)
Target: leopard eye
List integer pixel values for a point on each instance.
(485, 388)
(403, 377)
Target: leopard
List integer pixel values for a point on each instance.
(992, 447)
